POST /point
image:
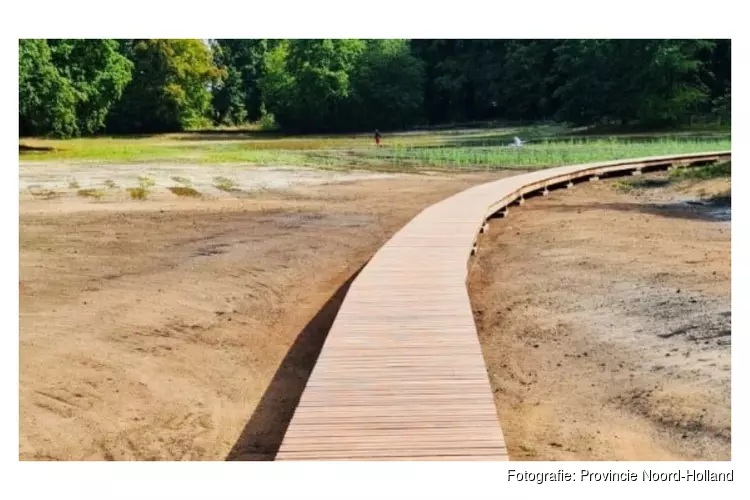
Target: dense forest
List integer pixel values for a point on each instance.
(78, 87)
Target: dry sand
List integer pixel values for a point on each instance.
(181, 329)
(161, 329)
(605, 320)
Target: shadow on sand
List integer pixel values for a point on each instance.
(261, 438)
(718, 210)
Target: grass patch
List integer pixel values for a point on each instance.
(146, 182)
(142, 191)
(46, 194)
(715, 171)
(538, 155)
(225, 184)
(185, 191)
(475, 148)
(624, 186)
(110, 184)
(90, 193)
(631, 184)
(138, 193)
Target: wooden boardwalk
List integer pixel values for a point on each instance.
(401, 375)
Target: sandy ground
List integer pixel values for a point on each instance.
(605, 320)
(44, 180)
(180, 329)
(185, 329)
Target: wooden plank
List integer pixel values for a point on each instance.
(401, 375)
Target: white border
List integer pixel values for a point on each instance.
(377, 19)
(383, 19)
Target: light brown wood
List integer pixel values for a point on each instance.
(401, 375)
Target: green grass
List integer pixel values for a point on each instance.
(139, 193)
(714, 171)
(46, 194)
(476, 148)
(185, 191)
(146, 182)
(543, 154)
(631, 184)
(90, 193)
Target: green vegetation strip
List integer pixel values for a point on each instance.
(400, 153)
(543, 154)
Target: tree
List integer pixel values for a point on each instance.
(46, 100)
(631, 81)
(171, 87)
(74, 87)
(67, 87)
(448, 89)
(387, 87)
(525, 79)
(97, 72)
(307, 83)
(237, 98)
(466, 79)
(718, 78)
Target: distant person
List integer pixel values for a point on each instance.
(377, 137)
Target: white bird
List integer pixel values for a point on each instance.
(517, 142)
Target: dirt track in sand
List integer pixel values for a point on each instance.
(605, 321)
(152, 330)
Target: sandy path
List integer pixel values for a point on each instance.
(161, 330)
(605, 322)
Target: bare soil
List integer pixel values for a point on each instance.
(605, 318)
(185, 329)
(110, 181)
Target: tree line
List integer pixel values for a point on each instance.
(78, 87)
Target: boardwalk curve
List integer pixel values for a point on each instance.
(401, 375)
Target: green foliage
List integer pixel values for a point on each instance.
(170, 87)
(343, 85)
(237, 98)
(307, 83)
(716, 170)
(527, 79)
(46, 98)
(631, 81)
(464, 78)
(77, 87)
(98, 74)
(268, 122)
(67, 87)
(387, 84)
